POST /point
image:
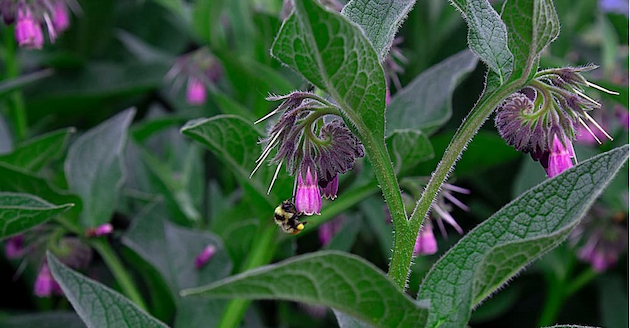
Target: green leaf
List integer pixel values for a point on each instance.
(425, 103)
(531, 26)
(569, 326)
(613, 304)
(379, 19)
(346, 321)
(334, 55)
(339, 280)
(98, 305)
(94, 170)
(487, 36)
(20, 212)
(36, 153)
(407, 148)
(7, 86)
(517, 234)
(235, 141)
(16, 180)
(172, 251)
(43, 320)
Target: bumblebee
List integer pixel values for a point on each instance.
(287, 218)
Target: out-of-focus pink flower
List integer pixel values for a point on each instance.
(196, 93)
(60, 17)
(206, 254)
(14, 247)
(329, 229)
(28, 33)
(102, 230)
(425, 243)
(45, 284)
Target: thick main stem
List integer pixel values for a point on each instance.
(16, 100)
(402, 255)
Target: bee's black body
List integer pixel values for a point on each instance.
(287, 218)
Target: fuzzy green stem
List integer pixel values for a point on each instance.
(403, 247)
(16, 100)
(118, 270)
(580, 281)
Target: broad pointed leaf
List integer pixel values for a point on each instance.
(379, 19)
(98, 305)
(334, 55)
(20, 212)
(172, 251)
(531, 25)
(17, 180)
(235, 141)
(407, 148)
(36, 153)
(344, 282)
(487, 36)
(517, 234)
(425, 103)
(94, 168)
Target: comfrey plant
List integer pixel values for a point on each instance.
(318, 135)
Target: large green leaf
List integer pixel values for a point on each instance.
(487, 36)
(531, 25)
(172, 251)
(43, 320)
(425, 103)
(98, 305)
(235, 141)
(379, 19)
(339, 280)
(17, 180)
(517, 234)
(36, 153)
(93, 168)
(335, 56)
(20, 212)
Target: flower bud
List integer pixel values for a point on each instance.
(206, 254)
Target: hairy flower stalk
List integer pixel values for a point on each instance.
(542, 119)
(314, 144)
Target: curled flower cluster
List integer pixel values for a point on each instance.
(314, 143)
(542, 119)
(30, 17)
(199, 70)
(70, 250)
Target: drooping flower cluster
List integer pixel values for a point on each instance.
(30, 246)
(315, 145)
(30, 17)
(601, 237)
(542, 118)
(199, 70)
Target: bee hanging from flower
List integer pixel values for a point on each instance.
(315, 144)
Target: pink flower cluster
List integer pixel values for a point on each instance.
(32, 17)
